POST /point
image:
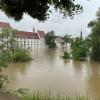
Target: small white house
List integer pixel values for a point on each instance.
(59, 41)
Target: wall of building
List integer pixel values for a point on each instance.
(31, 43)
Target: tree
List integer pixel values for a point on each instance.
(50, 39)
(67, 39)
(95, 38)
(91, 24)
(8, 39)
(66, 55)
(79, 49)
(38, 9)
(88, 41)
(4, 56)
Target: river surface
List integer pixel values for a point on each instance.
(48, 71)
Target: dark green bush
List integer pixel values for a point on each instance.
(79, 49)
(21, 55)
(66, 55)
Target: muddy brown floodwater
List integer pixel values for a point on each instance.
(49, 72)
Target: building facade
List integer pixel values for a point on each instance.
(27, 40)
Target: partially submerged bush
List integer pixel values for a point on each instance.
(79, 50)
(66, 55)
(21, 55)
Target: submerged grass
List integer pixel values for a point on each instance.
(48, 97)
(24, 94)
(27, 95)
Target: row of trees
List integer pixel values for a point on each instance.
(95, 37)
(79, 47)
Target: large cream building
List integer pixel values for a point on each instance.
(27, 40)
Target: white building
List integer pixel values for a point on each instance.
(59, 41)
(27, 40)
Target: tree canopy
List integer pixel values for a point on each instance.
(38, 9)
(79, 49)
(95, 37)
(50, 39)
(66, 38)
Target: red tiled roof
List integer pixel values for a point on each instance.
(5, 25)
(28, 35)
(41, 33)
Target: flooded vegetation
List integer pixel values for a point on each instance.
(59, 62)
(50, 72)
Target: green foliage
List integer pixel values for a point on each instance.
(79, 49)
(66, 55)
(9, 52)
(91, 23)
(88, 41)
(10, 47)
(50, 39)
(67, 39)
(3, 64)
(37, 95)
(7, 37)
(38, 9)
(4, 60)
(21, 55)
(95, 55)
(95, 38)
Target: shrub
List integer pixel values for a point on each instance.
(79, 50)
(66, 55)
(21, 55)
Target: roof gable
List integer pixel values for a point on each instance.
(5, 25)
(27, 35)
(41, 33)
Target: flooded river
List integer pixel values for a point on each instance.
(49, 72)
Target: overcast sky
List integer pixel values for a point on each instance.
(57, 23)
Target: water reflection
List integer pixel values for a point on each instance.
(94, 80)
(48, 71)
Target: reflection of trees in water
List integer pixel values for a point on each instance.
(50, 53)
(66, 61)
(92, 76)
(90, 72)
(77, 65)
(44, 54)
(94, 80)
(82, 68)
